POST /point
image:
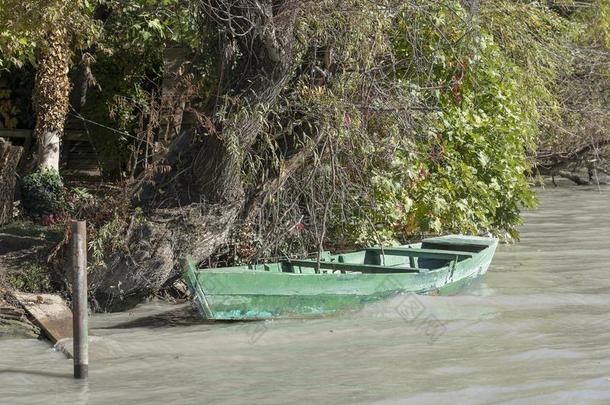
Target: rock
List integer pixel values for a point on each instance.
(12, 328)
(15, 324)
(99, 348)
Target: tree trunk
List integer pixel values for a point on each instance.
(51, 96)
(155, 250)
(81, 77)
(9, 159)
(173, 101)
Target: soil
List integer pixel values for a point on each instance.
(21, 242)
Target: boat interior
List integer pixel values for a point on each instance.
(417, 258)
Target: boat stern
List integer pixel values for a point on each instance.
(199, 299)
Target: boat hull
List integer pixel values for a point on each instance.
(245, 294)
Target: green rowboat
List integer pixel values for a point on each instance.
(305, 288)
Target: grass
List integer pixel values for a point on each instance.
(32, 277)
(27, 274)
(31, 229)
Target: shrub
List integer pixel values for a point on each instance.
(42, 193)
(31, 278)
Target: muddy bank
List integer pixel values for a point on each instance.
(14, 322)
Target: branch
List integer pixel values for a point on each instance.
(558, 160)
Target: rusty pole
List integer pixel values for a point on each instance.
(79, 300)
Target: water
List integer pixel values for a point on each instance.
(536, 329)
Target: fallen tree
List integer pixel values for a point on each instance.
(591, 158)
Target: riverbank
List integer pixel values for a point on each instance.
(25, 248)
(534, 329)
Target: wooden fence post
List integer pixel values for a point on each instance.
(79, 299)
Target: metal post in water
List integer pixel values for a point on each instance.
(79, 300)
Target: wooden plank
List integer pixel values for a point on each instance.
(473, 244)
(415, 252)
(50, 312)
(364, 268)
(461, 240)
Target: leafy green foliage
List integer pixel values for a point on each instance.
(24, 26)
(473, 164)
(407, 117)
(42, 193)
(146, 25)
(464, 168)
(127, 96)
(32, 278)
(595, 24)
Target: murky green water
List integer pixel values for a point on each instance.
(536, 329)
